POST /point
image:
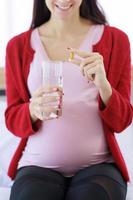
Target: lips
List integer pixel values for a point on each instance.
(63, 7)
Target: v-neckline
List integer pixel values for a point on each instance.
(81, 47)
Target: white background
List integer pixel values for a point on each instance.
(15, 17)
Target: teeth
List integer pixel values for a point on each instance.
(63, 7)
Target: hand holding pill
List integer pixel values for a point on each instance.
(90, 63)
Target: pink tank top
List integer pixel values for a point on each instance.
(76, 139)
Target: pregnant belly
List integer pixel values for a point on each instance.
(68, 142)
(67, 149)
(67, 157)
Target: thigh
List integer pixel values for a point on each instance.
(38, 183)
(101, 181)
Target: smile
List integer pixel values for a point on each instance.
(63, 7)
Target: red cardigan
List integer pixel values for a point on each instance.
(116, 116)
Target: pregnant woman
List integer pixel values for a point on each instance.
(74, 156)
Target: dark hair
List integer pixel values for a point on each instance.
(89, 9)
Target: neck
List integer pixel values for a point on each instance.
(66, 27)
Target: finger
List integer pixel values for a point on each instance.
(38, 113)
(88, 66)
(42, 101)
(49, 108)
(60, 88)
(38, 92)
(75, 61)
(60, 91)
(36, 101)
(91, 71)
(80, 53)
(89, 62)
(44, 89)
(86, 61)
(84, 54)
(49, 97)
(45, 111)
(52, 103)
(59, 112)
(55, 88)
(46, 99)
(90, 77)
(52, 99)
(50, 89)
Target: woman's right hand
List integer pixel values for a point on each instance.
(40, 107)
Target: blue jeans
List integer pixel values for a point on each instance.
(98, 182)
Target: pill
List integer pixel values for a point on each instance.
(71, 55)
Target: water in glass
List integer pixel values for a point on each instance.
(52, 77)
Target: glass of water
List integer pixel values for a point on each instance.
(52, 77)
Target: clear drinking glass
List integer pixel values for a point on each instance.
(52, 77)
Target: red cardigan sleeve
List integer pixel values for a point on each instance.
(17, 116)
(118, 112)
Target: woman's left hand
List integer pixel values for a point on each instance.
(91, 66)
